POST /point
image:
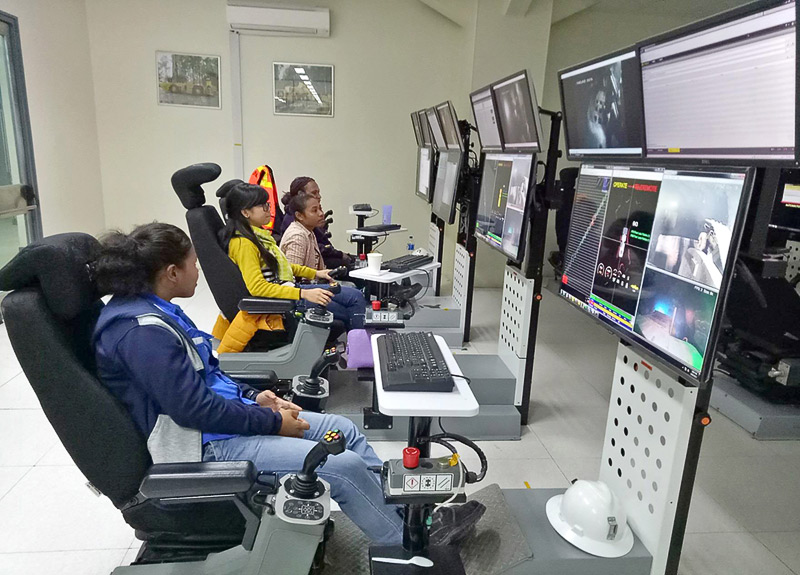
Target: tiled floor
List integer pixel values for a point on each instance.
(745, 516)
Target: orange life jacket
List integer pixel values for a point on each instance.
(262, 176)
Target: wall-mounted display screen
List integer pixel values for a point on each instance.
(518, 113)
(649, 252)
(483, 109)
(725, 91)
(446, 184)
(602, 104)
(503, 204)
(425, 173)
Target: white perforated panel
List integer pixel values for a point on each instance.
(644, 452)
(434, 237)
(515, 313)
(461, 285)
(794, 261)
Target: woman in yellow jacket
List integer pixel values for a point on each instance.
(264, 267)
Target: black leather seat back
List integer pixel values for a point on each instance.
(50, 317)
(222, 274)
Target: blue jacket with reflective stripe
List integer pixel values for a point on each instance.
(149, 367)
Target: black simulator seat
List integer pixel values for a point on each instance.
(231, 295)
(54, 306)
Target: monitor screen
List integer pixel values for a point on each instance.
(424, 172)
(518, 113)
(425, 129)
(417, 129)
(650, 250)
(483, 109)
(786, 212)
(602, 103)
(436, 128)
(449, 122)
(446, 185)
(502, 207)
(725, 91)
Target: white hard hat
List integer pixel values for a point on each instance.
(589, 516)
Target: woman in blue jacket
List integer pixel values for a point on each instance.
(156, 361)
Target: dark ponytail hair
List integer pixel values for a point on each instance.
(299, 202)
(242, 196)
(297, 187)
(129, 263)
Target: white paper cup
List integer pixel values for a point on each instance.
(374, 262)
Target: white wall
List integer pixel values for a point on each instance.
(389, 58)
(141, 142)
(58, 78)
(504, 45)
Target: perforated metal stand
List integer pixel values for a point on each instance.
(650, 452)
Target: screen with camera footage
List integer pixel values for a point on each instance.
(505, 183)
(603, 107)
(649, 251)
(518, 113)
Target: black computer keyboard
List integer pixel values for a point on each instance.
(380, 228)
(406, 263)
(412, 361)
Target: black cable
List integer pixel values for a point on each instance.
(471, 477)
(385, 237)
(464, 377)
(439, 423)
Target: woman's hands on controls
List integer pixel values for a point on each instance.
(292, 425)
(271, 401)
(318, 296)
(324, 275)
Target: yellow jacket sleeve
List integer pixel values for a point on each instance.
(245, 254)
(303, 271)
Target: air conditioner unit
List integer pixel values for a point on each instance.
(280, 21)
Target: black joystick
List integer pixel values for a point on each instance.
(305, 484)
(334, 288)
(311, 383)
(339, 272)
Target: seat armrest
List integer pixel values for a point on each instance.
(266, 305)
(167, 480)
(260, 380)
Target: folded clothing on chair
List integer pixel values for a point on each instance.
(234, 336)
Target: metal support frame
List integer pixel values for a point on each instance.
(436, 247)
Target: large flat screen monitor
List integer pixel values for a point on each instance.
(425, 173)
(436, 128)
(650, 251)
(503, 204)
(724, 91)
(485, 113)
(602, 104)
(518, 112)
(425, 129)
(449, 122)
(446, 185)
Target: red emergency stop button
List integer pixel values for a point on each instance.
(411, 458)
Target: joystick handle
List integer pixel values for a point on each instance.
(305, 483)
(328, 357)
(339, 272)
(333, 287)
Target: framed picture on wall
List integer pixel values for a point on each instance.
(302, 89)
(188, 80)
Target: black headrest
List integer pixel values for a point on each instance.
(188, 183)
(59, 265)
